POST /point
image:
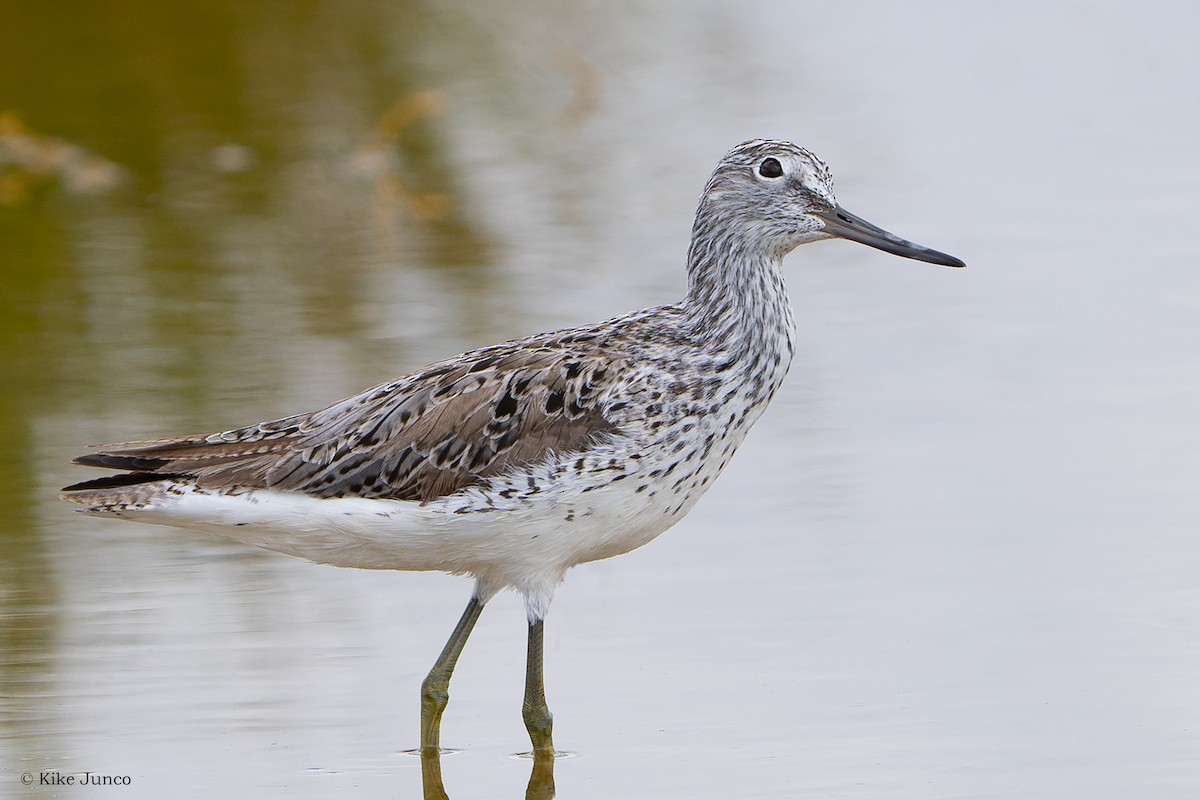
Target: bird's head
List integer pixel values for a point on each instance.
(780, 196)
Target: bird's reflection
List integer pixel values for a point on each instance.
(541, 779)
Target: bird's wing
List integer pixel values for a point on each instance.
(420, 437)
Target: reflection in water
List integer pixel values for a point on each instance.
(541, 778)
(983, 500)
(184, 193)
(31, 161)
(412, 180)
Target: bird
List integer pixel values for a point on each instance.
(513, 463)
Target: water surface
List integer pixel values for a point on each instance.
(956, 558)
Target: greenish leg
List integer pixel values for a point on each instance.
(538, 720)
(435, 690)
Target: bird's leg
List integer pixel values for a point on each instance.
(435, 689)
(538, 720)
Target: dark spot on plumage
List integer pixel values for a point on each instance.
(447, 452)
(574, 410)
(554, 403)
(641, 488)
(371, 439)
(400, 464)
(506, 439)
(653, 410)
(579, 465)
(434, 373)
(616, 478)
(519, 385)
(350, 462)
(484, 363)
(507, 406)
(574, 368)
(482, 457)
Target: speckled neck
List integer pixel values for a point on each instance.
(737, 303)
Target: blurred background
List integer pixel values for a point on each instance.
(957, 558)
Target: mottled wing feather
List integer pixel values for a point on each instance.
(421, 437)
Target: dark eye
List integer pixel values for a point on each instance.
(770, 168)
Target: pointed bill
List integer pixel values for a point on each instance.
(840, 222)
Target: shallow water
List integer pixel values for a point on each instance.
(956, 558)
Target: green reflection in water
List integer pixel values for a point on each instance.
(259, 192)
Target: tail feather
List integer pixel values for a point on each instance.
(210, 460)
(122, 480)
(113, 461)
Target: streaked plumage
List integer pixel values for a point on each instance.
(514, 463)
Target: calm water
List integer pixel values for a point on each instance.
(958, 558)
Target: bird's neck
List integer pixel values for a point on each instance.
(737, 304)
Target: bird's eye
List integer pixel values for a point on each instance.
(770, 168)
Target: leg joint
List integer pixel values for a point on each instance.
(435, 691)
(538, 719)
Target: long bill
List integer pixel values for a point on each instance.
(840, 222)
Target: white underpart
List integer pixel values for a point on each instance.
(504, 543)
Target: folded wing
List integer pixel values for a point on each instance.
(420, 437)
